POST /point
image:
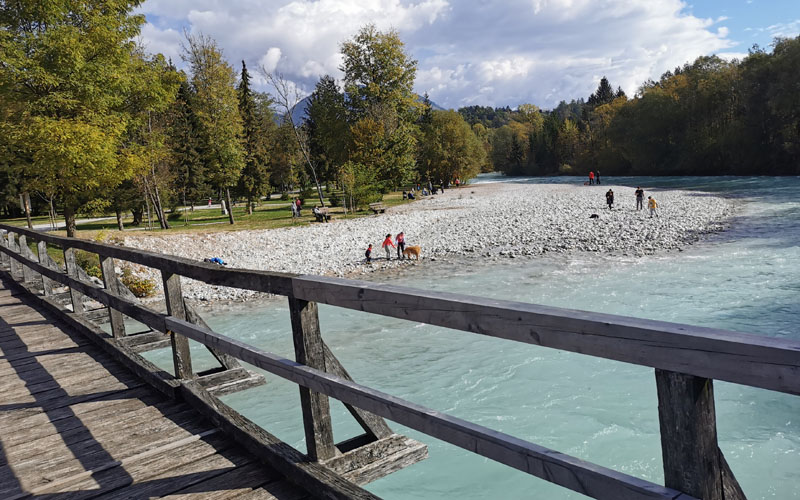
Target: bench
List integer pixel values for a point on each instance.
(377, 207)
(321, 214)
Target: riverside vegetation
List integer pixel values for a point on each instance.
(94, 124)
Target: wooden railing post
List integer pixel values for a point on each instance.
(28, 276)
(309, 350)
(72, 272)
(111, 283)
(693, 462)
(4, 242)
(14, 264)
(181, 357)
(47, 283)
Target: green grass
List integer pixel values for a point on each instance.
(267, 215)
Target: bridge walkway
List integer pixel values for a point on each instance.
(74, 423)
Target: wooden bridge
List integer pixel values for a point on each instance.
(79, 416)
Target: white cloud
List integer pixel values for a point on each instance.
(491, 52)
(270, 60)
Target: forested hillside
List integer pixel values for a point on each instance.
(710, 117)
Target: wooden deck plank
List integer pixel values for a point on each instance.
(135, 469)
(178, 478)
(60, 461)
(229, 484)
(75, 423)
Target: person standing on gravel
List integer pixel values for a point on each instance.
(591, 178)
(652, 205)
(597, 177)
(610, 198)
(400, 239)
(386, 244)
(639, 198)
(368, 253)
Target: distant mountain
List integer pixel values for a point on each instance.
(299, 113)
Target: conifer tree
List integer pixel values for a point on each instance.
(254, 179)
(216, 105)
(186, 147)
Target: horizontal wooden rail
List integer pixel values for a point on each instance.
(567, 471)
(564, 470)
(747, 359)
(259, 281)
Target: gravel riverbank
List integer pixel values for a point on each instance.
(502, 220)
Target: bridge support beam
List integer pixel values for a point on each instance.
(693, 462)
(309, 350)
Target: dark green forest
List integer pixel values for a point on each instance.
(709, 117)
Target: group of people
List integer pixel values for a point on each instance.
(594, 178)
(297, 204)
(387, 245)
(652, 205)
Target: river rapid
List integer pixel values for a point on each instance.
(746, 278)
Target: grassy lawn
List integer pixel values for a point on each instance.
(268, 215)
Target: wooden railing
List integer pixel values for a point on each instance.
(686, 359)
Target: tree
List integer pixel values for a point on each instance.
(288, 97)
(326, 126)
(68, 76)
(378, 81)
(186, 146)
(603, 95)
(216, 107)
(378, 74)
(254, 179)
(450, 149)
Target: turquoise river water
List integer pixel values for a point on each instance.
(746, 278)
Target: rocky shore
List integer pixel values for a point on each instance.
(502, 220)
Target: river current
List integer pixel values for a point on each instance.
(746, 278)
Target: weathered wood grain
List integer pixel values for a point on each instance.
(689, 434)
(229, 381)
(570, 472)
(259, 281)
(309, 351)
(378, 459)
(181, 357)
(371, 423)
(292, 464)
(28, 275)
(758, 361)
(72, 272)
(111, 283)
(47, 283)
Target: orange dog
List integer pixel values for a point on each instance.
(412, 250)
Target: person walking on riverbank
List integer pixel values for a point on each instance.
(597, 177)
(609, 198)
(652, 205)
(639, 198)
(386, 244)
(591, 178)
(400, 240)
(368, 253)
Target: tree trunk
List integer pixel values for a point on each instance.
(119, 220)
(230, 207)
(69, 219)
(27, 199)
(52, 214)
(138, 213)
(162, 217)
(250, 205)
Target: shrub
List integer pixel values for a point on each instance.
(86, 260)
(140, 287)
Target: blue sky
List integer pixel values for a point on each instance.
(487, 52)
(752, 21)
